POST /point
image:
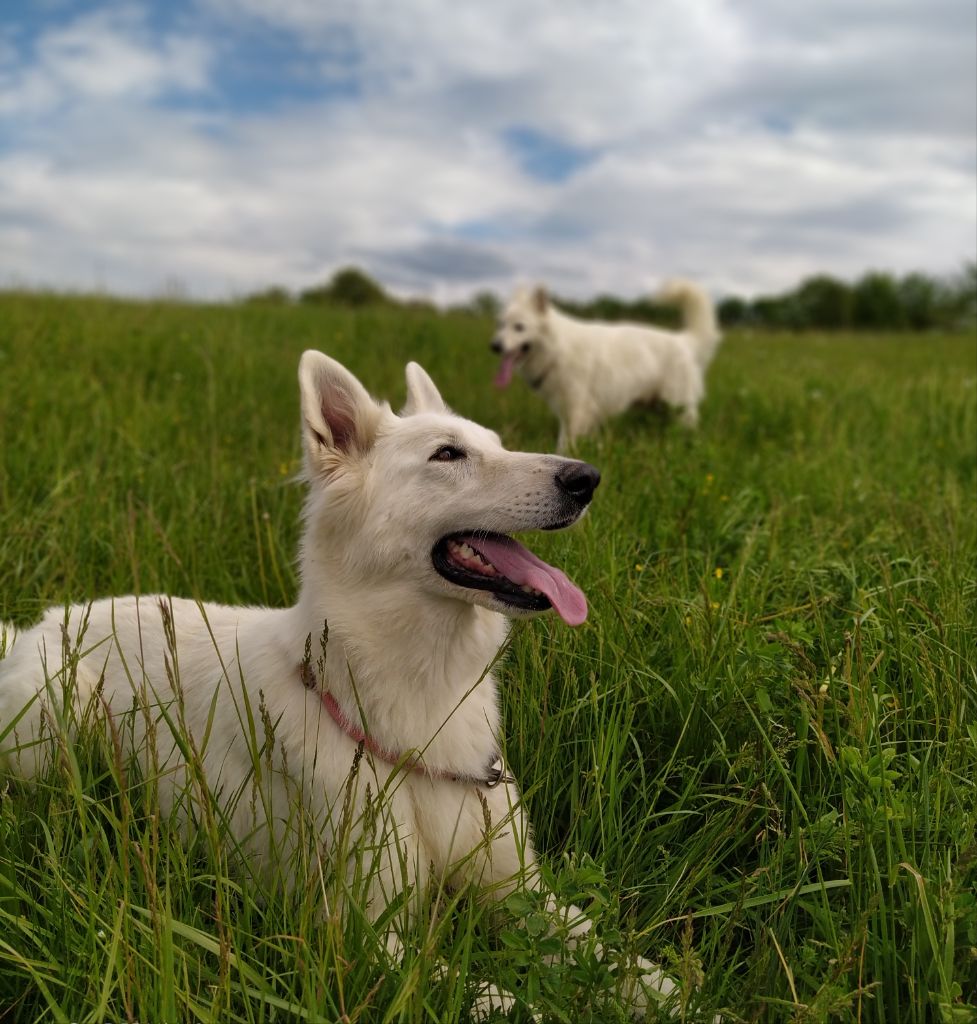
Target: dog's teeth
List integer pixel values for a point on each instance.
(466, 556)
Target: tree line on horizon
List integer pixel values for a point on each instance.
(878, 300)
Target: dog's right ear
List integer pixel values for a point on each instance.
(339, 418)
(541, 299)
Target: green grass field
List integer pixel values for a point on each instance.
(757, 760)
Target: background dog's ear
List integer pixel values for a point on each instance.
(541, 299)
(338, 415)
(422, 394)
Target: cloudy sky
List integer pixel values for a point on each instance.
(218, 146)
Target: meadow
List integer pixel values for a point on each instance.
(756, 762)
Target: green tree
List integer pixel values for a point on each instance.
(352, 287)
(733, 311)
(486, 304)
(923, 301)
(347, 287)
(961, 297)
(274, 295)
(876, 302)
(782, 312)
(824, 301)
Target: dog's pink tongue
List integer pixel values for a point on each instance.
(504, 377)
(522, 567)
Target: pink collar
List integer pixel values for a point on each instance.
(355, 733)
(495, 773)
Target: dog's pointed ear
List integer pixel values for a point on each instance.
(541, 299)
(422, 394)
(339, 418)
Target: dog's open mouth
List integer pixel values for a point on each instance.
(512, 573)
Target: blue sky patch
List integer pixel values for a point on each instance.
(499, 229)
(256, 72)
(257, 67)
(544, 157)
(778, 124)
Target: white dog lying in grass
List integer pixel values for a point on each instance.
(590, 370)
(406, 558)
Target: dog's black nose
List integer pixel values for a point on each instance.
(496, 346)
(579, 480)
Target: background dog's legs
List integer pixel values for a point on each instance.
(576, 424)
(689, 417)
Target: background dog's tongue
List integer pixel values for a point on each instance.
(521, 566)
(504, 377)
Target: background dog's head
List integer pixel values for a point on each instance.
(522, 336)
(430, 498)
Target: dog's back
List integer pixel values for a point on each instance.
(621, 364)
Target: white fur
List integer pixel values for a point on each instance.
(701, 330)
(589, 370)
(408, 654)
(405, 646)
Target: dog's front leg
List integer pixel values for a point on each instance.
(644, 988)
(508, 862)
(398, 865)
(489, 999)
(571, 429)
(575, 422)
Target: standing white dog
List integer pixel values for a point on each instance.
(590, 370)
(406, 556)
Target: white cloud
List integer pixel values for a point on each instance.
(747, 145)
(105, 55)
(591, 72)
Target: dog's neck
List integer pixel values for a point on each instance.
(416, 674)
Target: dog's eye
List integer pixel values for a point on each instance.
(525, 346)
(519, 328)
(448, 453)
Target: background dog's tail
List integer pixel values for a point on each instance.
(698, 316)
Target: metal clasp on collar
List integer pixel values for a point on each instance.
(497, 773)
